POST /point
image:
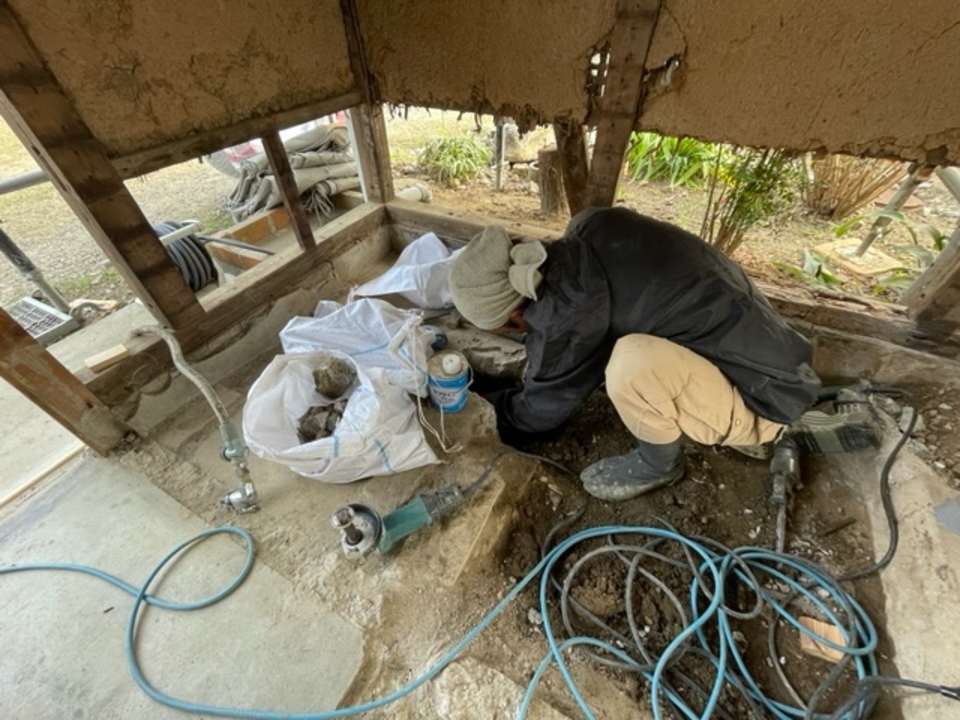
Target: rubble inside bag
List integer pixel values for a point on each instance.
(320, 421)
(334, 377)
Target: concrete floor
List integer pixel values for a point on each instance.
(309, 630)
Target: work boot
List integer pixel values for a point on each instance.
(854, 426)
(641, 470)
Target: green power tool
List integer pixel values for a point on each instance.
(362, 529)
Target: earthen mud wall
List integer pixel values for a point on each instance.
(146, 72)
(865, 77)
(529, 60)
(876, 77)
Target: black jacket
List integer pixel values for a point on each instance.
(615, 273)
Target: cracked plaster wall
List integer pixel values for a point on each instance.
(873, 77)
(142, 72)
(528, 60)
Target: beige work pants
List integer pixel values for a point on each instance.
(662, 390)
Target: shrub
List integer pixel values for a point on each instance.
(454, 158)
(679, 161)
(837, 186)
(749, 186)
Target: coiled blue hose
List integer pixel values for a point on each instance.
(714, 567)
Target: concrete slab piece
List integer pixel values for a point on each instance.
(269, 645)
(921, 584)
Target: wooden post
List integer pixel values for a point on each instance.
(26, 365)
(550, 180)
(280, 164)
(372, 151)
(573, 162)
(42, 116)
(498, 153)
(935, 295)
(950, 177)
(369, 128)
(622, 97)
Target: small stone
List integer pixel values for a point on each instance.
(534, 617)
(948, 426)
(944, 407)
(904, 422)
(747, 511)
(722, 486)
(939, 465)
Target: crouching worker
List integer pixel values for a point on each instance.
(684, 341)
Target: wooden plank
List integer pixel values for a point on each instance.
(108, 358)
(42, 116)
(161, 156)
(573, 163)
(936, 293)
(29, 368)
(283, 175)
(622, 97)
(457, 224)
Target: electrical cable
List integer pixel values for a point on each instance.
(886, 498)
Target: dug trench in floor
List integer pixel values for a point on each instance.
(311, 630)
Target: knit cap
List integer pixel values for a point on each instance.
(492, 276)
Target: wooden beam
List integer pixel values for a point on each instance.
(935, 295)
(276, 276)
(801, 307)
(26, 365)
(857, 316)
(161, 156)
(42, 116)
(622, 97)
(279, 274)
(573, 162)
(283, 175)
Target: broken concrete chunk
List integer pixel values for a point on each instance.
(320, 421)
(334, 377)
